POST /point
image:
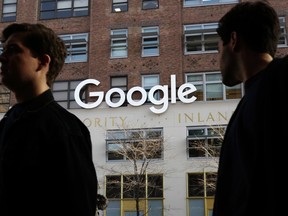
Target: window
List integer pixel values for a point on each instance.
(150, 189)
(200, 38)
(150, 41)
(119, 5)
(77, 47)
(63, 92)
(193, 3)
(135, 144)
(51, 9)
(201, 191)
(150, 4)
(283, 35)
(148, 81)
(210, 87)
(4, 99)
(118, 82)
(9, 9)
(204, 141)
(119, 43)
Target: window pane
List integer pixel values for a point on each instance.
(64, 4)
(80, 3)
(9, 8)
(113, 187)
(118, 43)
(120, 1)
(155, 186)
(199, 93)
(150, 41)
(150, 4)
(114, 208)
(80, 12)
(63, 92)
(210, 183)
(150, 81)
(60, 86)
(196, 148)
(191, 3)
(214, 77)
(45, 6)
(116, 135)
(119, 81)
(114, 156)
(196, 132)
(77, 47)
(121, 7)
(214, 92)
(119, 52)
(193, 43)
(194, 78)
(211, 42)
(196, 184)
(60, 96)
(9, 1)
(155, 207)
(4, 99)
(132, 183)
(151, 50)
(196, 207)
(233, 92)
(63, 8)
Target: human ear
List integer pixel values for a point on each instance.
(234, 40)
(44, 61)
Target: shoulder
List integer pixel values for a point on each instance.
(277, 70)
(61, 118)
(280, 64)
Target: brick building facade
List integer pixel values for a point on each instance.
(131, 43)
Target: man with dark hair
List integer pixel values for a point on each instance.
(247, 182)
(46, 165)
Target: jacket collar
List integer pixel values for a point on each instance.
(36, 103)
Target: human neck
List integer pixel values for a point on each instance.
(22, 96)
(254, 63)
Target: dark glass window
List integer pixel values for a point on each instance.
(51, 9)
(150, 4)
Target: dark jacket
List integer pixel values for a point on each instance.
(46, 165)
(253, 154)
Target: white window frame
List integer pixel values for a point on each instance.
(206, 141)
(77, 47)
(200, 32)
(195, 3)
(119, 6)
(119, 43)
(118, 82)
(147, 84)
(5, 94)
(150, 41)
(118, 204)
(9, 10)
(116, 139)
(63, 9)
(150, 4)
(202, 81)
(199, 204)
(283, 36)
(63, 92)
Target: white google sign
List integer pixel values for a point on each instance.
(183, 91)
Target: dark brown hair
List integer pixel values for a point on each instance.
(256, 23)
(40, 40)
